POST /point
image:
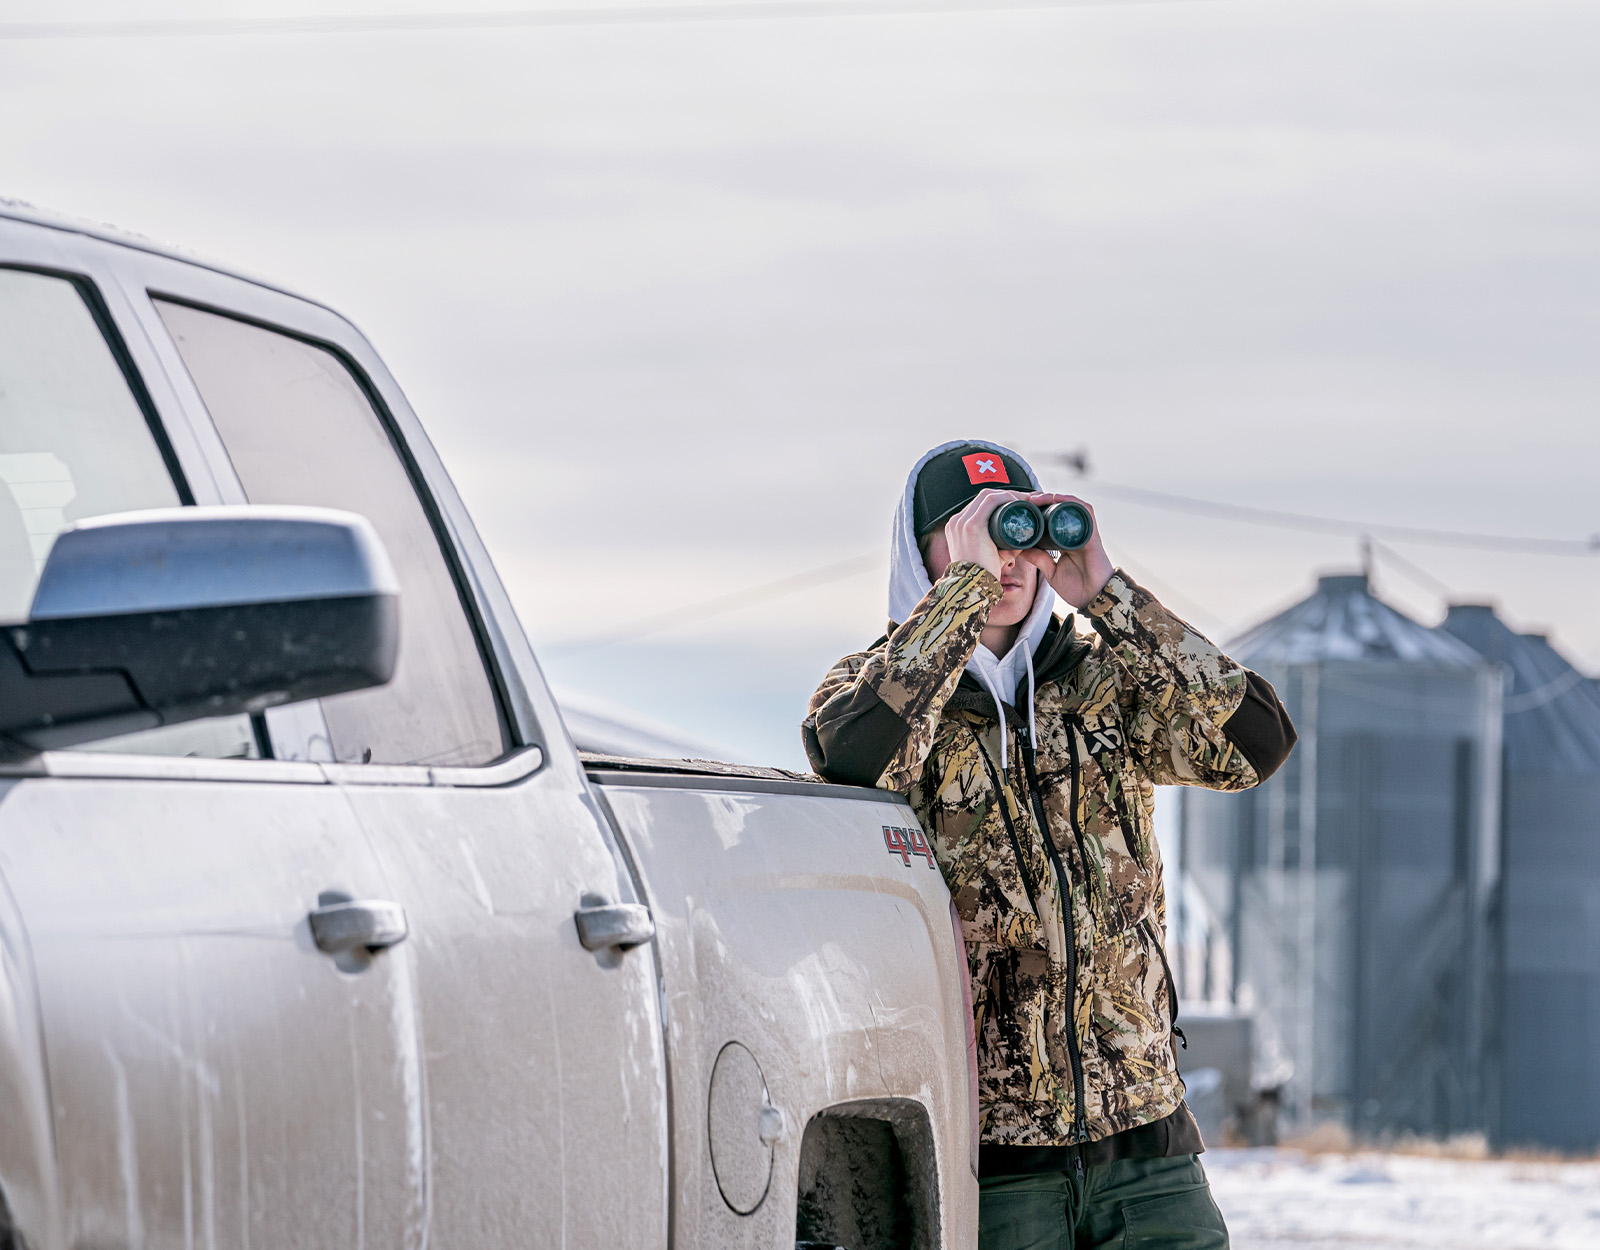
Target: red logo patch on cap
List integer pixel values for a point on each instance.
(984, 467)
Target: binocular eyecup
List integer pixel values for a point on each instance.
(1019, 524)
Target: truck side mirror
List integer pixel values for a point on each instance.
(154, 618)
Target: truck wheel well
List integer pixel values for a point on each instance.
(869, 1178)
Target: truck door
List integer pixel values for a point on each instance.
(543, 1068)
(215, 1079)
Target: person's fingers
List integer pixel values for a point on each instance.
(967, 532)
(1067, 563)
(968, 514)
(975, 516)
(1044, 499)
(986, 501)
(960, 520)
(1040, 559)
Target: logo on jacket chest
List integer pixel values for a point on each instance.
(1101, 739)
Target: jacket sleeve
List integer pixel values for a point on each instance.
(871, 721)
(1193, 716)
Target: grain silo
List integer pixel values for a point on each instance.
(1354, 886)
(1545, 1015)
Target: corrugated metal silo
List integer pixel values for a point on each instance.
(1355, 884)
(1546, 1015)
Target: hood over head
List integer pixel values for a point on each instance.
(1001, 676)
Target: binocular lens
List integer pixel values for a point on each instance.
(1016, 525)
(1068, 526)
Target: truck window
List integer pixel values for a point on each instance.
(74, 443)
(300, 429)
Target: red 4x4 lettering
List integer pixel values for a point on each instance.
(908, 842)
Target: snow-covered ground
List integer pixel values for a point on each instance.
(1285, 1200)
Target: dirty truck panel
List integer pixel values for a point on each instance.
(783, 929)
(391, 964)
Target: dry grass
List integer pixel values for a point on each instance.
(1335, 1139)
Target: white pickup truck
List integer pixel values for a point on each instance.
(316, 930)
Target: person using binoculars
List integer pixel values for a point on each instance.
(1030, 753)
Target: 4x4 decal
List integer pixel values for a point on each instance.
(908, 842)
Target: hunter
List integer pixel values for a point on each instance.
(1030, 753)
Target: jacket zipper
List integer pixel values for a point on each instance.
(1011, 829)
(1072, 815)
(1080, 1123)
(1172, 987)
(1127, 824)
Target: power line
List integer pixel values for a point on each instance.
(1251, 515)
(1552, 690)
(1513, 704)
(511, 19)
(1169, 594)
(702, 609)
(839, 570)
(1416, 572)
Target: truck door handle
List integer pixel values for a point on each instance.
(622, 925)
(369, 923)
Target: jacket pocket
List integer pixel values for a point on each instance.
(1188, 1220)
(1132, 1008)
(991, 900)
(1126, 832)
(1020, 1003)
(1112, 817)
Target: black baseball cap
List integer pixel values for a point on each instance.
(952, 478)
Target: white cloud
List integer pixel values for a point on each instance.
(1342, 257)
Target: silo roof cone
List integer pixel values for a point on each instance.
(1552, 711)
(1343, 620)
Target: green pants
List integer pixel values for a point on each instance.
(1148, 1204)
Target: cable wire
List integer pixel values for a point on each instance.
(718, 605)
(1252, 515)
(1514, 704)
(1416, 572)
(511, 19)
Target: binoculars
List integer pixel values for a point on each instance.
(1019, 524)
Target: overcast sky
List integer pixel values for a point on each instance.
(721, 282)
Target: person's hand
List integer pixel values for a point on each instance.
(1077, 576)
(966, 534)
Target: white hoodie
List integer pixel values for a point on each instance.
(908, 583)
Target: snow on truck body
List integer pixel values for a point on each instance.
(394, 965)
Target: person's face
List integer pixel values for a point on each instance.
(1019, 579)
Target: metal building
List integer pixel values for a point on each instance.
(1545, 1015)
(1354, 887)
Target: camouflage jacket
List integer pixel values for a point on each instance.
(1073, 1001)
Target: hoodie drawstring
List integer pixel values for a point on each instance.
(1033, 720)
(987, 677)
